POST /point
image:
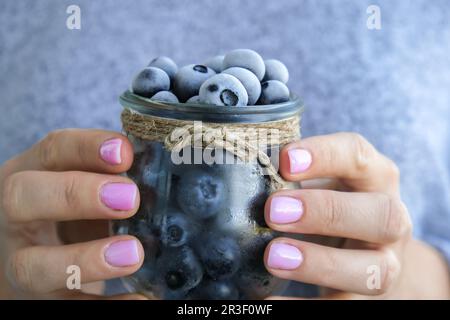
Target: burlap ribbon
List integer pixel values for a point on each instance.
(240, 139)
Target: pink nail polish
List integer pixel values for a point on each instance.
(284, 256)
(285, 210)
(299, 160)
(122, 253)
(110, 151)
(119, 196)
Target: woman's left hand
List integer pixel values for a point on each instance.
(377, 255)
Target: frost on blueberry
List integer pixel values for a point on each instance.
(247, 59)
(223, 90)
(188, 80)
(165, 96)
(166, 64)
(150, 81)
(194, 99)
(276, 70)
(215, 63)
(273, 91)
(248, 80)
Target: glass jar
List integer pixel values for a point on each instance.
(201, 222)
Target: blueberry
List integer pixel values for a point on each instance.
(253, 279)
(176, 229)
(276, 70)
(245, 58)
(200, 194)
(180, 269)
(215, 63)
(248, 80)
(149, 81)
(220, 255)
(146, 168)
(223, 90)
(188, 80)
(194, 99)
(145, 276)
(166, 64)
(165, 96)
(215, 290)
(273, 91)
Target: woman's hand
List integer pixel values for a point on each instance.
(70, 177)
(377, 256)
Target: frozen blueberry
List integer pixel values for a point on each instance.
(149, 81)
(245, 58)
(180, 269)
(223, 90)
(220, 255)
(216, 290)
(145, 276)
(215, 63)
(253, 279)
(194, 99)
(176, 229)
(188, 80)
(273, 91)
(276, 70)
(165, 96)
(200, 194)
(248, 80)
(166, 64)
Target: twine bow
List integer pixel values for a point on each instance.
(234, 138)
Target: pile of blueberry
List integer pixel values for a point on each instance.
(239, 78)
(201, 226)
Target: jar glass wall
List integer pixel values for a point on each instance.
(201, 222)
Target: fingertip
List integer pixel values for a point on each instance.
(127, 153)
(125, 253)
(295, 161)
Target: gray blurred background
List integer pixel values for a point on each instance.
(391, 85)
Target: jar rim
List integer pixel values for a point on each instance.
(212, 113)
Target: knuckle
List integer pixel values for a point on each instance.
(70, 195)
(330, 269)
(363, 152)
(396, 222)
(48, 151)
(19, 272)
(332, 211)
(391, 268)
(10, 195)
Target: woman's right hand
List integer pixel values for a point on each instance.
(63, 190)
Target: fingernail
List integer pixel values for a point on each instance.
(285, 210)
(299, 160)
(122, 253)
(110, 151)
(284, 256)
(119, 196)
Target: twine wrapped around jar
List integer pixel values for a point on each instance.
(177, 134)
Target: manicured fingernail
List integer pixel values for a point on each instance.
(299, 160)
(110, 151)
(284, 256)
(285, 210)
(122, 253)
(119, 196)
